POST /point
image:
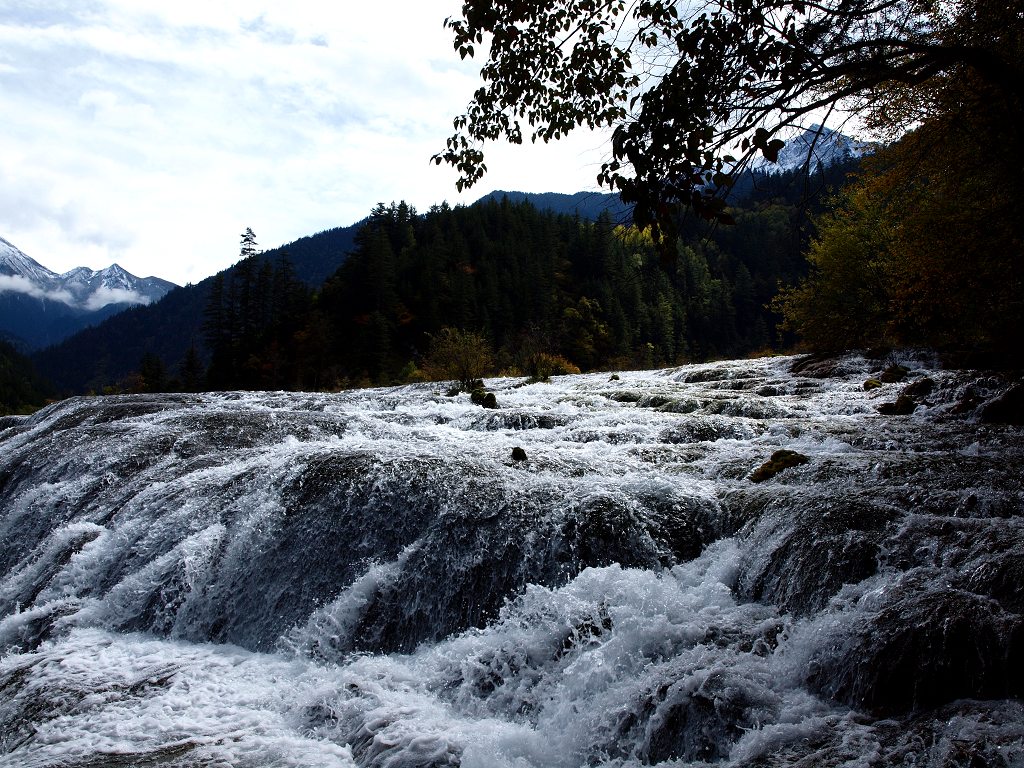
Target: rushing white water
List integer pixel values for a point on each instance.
(370, 579)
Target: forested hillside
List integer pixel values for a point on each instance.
(587, 294)
(105, 355)
(595, 293)
(22, 390)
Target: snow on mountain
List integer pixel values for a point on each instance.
(14, 263)
(81, 287)
(39, 306)
(815, 147)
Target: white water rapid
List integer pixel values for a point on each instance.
(370, 579)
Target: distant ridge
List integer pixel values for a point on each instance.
(40, 307)
(167, 328)
(588, 205)
(815, 148)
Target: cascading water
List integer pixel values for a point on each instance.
(371, 579)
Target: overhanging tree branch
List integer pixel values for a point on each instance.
(723, 78)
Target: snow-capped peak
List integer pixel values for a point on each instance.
(80, 288)
(815, 147)
(14, 263)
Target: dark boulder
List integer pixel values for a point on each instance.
(920, 388)
(926, 647)
(817, 366)
(894, 374)
(903, 406)
(486, 399)
(1008, 408)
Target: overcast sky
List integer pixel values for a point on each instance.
(151, 133)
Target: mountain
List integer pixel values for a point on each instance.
(39, 307)
(314, 258)
(588, 205)
(815, 148)
(110, 350)
(816, 151)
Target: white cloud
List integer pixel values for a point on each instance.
(103, 296)
(152, 133)
(19, 284)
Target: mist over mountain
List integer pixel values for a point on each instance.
(39, 307)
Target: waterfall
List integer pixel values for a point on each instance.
(370, 578)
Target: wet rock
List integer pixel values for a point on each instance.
(485, 399)
(701, 724)
(968, 401)
(624, 397)
(818, 366)
(871, 384)
(1008, 408)
(903, 406)
(920, 388)
(894, 374)
(518, 454)
(779, 461)
(798, 559)
(654, 400)
(926, 647)
(613, 377)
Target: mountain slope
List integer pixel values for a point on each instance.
(813, 149)
(109, 351)
(588, 205)
(40, 307)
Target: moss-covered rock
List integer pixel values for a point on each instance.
(779, 461)
(871, 384)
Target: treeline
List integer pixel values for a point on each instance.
(927, 246)
(595, 294)
(591, 294)
(22, 390)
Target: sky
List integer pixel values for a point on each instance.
(152, 133)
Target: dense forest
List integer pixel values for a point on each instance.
(109, 356)
(22, 390)
(531, 284)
